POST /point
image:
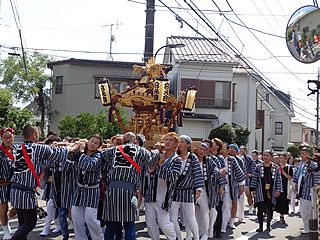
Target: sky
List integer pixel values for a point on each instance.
(82, 26)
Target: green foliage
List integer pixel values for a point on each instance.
(85, 124)
(225, 132)
(11, 116)
(25, 86)
(229, 134)
(28, 84)
(242, 135)
(294, 150)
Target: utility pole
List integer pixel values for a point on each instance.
(149, 33)
(112, 38)
(314, 86)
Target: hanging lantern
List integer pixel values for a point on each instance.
(161, 90)
(190, 99)
(104, 89)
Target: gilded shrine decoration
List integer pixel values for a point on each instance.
(156, 110)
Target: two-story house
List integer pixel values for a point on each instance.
(273, 118)
(75, 85)
(210, 68)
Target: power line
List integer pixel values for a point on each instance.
(209, 11)
(266, 47)
(254, 29)
(234, 49)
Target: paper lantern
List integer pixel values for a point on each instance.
(105, 95)
(161, 90)
(190, 99)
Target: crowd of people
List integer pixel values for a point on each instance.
(306, 50)
(99, 187)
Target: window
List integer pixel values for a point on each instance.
(211, 94)
(306, 137)
(58, 85)
(118, 84)
(278, 128)
(234, 103)
(259, 119)
(267, 97)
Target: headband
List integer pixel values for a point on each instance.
(234, 146)
(186, 138)
(4, 130)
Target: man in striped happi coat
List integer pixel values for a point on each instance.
(68, 186)
(27, 168)
(238, 206)
(158, 196)
(266, 185)
(85, 199)
(187, 190)
(214, 187)
(234, 188)
(49, 194)
(121, 172)
(304, 178)
(250, 167)
(6, 172)
(215, 150)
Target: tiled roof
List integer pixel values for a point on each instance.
(200, 49)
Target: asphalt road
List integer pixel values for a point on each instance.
(244, 231)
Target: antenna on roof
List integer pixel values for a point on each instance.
(112, 37)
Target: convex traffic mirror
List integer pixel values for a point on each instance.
(303, 33)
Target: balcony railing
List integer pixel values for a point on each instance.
(213, 103)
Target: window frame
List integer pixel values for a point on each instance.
(278, 130)
(123, 84)
(58, 88)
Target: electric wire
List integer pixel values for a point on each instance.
(298, 106)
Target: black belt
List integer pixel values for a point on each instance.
(121, 184)
(22, 188)
(181, 188)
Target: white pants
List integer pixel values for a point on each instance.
(226, 211)
(202, 214)
(212, 220)
(189, 218)
(157, 217)
(306, 212)
(205, 217)
(82, 216)
(293, 196)
(51, 210)
(240, 209)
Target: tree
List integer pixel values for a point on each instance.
(242, 135)
(11, 116)
(229, 134)
(28, 83)
(85, 124)
(225, 132)
(294, 150)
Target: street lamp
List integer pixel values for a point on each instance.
(178, 45)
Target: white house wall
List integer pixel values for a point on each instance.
(78, 92)
(245, 110)
(296, 132)
(278, 113)
(199, 129)
(204, 71)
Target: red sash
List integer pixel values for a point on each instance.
(6, 152)
(129, 159)
(30, 165)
